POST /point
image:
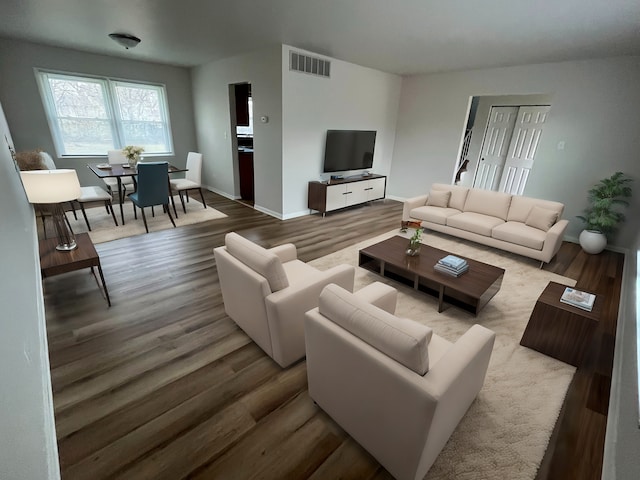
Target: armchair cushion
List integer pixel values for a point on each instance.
(259, 259)
(403, 340)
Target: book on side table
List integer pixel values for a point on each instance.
(578, 298)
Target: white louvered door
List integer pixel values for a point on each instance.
(495, 147)
(523, 148)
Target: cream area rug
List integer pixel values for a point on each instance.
(103, 229)
(506, 431)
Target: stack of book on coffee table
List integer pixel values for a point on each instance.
(578, 298)
(452, 265)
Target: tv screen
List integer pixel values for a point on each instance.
(349, 150)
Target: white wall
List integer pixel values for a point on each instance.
(623, 432)
(26, 115)
(354, 98)
(213, 119)
(28, 448)
(594, 111)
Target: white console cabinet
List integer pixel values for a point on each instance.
(326, 197)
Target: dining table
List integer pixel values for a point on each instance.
(120, 171)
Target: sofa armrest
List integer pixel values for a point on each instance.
(286, 309)
(455, 381)
(553, 241)
(286, 253)
(379, 294)
(410, 204)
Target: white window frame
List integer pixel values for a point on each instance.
(111, 105)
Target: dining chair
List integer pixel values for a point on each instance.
(95, 194)
(192, 180)
(116, 157)
(153, 189)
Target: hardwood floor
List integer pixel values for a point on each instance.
(163, 385)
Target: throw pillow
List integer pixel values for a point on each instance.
(30, 161)
(439, 198)
(541, 218)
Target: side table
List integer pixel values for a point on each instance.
(54, 262)
(559, 330)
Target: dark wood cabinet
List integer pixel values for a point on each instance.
(325, 197)
(243, 92)
(245, 167)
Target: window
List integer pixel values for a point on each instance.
(91, 115)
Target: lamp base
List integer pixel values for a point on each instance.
(67, 247)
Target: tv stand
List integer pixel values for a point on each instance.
(346, 192)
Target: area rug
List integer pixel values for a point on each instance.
(506, 430)
(103, 229)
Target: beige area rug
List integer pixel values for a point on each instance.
(103, 229)
(506, 431)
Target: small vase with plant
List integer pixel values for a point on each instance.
(132, 153)
(414, 243)
(602, 217)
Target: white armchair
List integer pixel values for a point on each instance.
(267, 292)
(397, 388)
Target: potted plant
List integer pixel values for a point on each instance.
(603, 217)
(414, 243)
(132, 153)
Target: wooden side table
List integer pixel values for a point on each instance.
(559, 330)
(54, 262)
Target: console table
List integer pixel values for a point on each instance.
(54, 262)
(346, 192)
(560, 330)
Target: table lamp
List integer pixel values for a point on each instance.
(51, 188)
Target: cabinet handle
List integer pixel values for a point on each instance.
(347, 193)
(370, 188)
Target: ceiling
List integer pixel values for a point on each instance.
(397, 36)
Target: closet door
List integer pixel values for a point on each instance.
(495, 147)
(523, 148)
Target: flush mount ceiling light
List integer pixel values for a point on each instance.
(124, 39)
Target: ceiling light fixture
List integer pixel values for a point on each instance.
(124, 39)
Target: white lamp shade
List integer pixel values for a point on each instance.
(51, 186)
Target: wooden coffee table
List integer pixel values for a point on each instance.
(471, 291)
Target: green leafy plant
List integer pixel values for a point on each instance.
(605, 198)
(414, 241)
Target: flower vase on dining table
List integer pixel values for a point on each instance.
(132, 153)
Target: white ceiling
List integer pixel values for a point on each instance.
(399, 36)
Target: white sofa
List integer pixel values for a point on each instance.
(267, 292)
(527, 226)
(392, 384)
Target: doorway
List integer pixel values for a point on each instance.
(505, 133)
(242, 128)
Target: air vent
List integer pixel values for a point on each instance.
(307, 64)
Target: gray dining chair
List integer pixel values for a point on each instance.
(153, 189)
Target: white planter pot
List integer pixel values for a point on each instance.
(592, 241)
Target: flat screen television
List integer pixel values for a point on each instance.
(349, 150)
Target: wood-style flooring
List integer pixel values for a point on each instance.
(163, 385)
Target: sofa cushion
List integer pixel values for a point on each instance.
(258, 259)
(401, 339)
(458, 194)
(521, 207)
(487, 202)
(434, 214)
(439, 198)
(541, 218)
(520, 234)
(474, 222)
